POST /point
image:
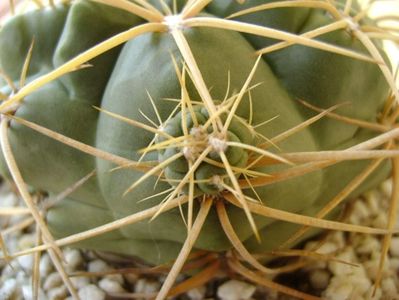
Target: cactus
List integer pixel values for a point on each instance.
(230, 125)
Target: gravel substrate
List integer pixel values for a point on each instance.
(327, 279)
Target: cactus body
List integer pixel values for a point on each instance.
(120, 81)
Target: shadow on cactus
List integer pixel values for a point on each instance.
(219, 128)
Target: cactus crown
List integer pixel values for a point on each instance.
(197, 136)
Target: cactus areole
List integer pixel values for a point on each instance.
(179, 104)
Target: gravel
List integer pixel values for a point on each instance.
(235, 290)
(331, 280)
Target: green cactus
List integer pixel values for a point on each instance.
(189, 107)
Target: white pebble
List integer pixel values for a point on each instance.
(45, 266)
(115, 277)
(80, 282)
(197, 293)
(52, 281)
(235, 290)
(360, 280)
(371, 267)
(57, 293)
(368, 245)
(27, 293)
(91, 292)
(145, 286)
(360, 210)
(26, 262)
(389, 287)
(317, 264)
(73, 259)
(23, 278)
(373, 201)
(9, 289)
(98, 266)
(12, 244)
(381, 221)
(27, 241)
(319, 279)
(338, 239)
(8, 200)
(354, 219)
(386, 188)
(327, 248)
(10, 269)
(339, 268)
(374, 295)
(338, 290)
(110, 286)
(394, 247)
(394, 264)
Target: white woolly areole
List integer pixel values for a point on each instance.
(218, 144)
(189, 153)
(197, 132)
(217, 181)
(174, 22)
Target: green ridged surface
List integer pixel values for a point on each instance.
(118, 81)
